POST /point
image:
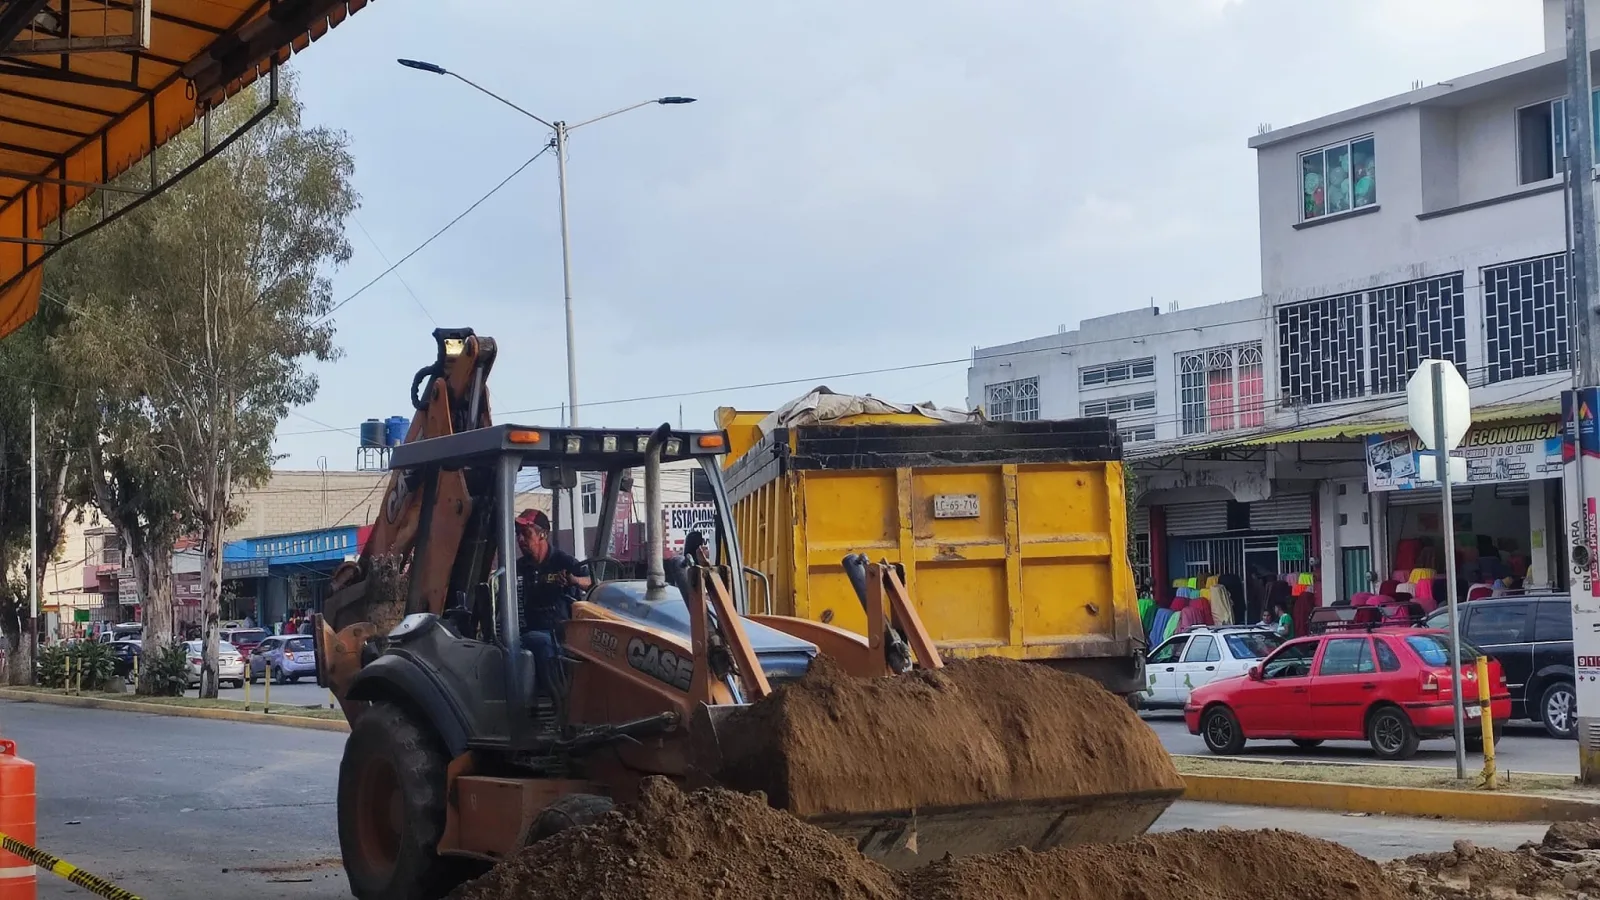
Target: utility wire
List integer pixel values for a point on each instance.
(403, 282)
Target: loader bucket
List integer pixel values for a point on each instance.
(979, 757)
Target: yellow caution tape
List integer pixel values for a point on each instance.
(92, 883)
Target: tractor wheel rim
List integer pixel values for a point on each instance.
(1388, 734)
(1220, 731)
(379, 815)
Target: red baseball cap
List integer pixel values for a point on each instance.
(534, 518)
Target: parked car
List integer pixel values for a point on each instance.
(126, 631)
(230, 665)
(1389, 687)
(245, 639)
(1531, 638)
(126, 651)
(1200, 656)
(286, 657)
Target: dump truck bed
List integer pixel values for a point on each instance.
(1013, 535)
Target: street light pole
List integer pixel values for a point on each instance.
(559, 144)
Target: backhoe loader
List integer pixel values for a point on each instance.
(453, 762)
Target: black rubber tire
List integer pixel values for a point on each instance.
(1391, 734)
(1307, 744)
(1553, 723)
(388, 845)
(1219, 728)
(570, 811)
(278, 676)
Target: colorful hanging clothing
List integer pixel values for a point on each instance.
(1221, 605)
(1147, 613)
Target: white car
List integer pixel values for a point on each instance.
(1200, 656)
(230, 665)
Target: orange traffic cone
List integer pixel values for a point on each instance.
(18, 877)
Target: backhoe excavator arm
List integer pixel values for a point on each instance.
(450, 396)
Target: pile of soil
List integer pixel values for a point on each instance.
(976, 731)
(1563, 865)
(712, 844)
(1181, 865)
(718, 844)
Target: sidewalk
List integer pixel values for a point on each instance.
(318, 718)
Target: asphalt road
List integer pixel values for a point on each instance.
(191, 809)
(1524, 748)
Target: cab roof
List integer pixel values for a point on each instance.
(593, 449)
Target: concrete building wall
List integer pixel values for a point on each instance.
(293, 501)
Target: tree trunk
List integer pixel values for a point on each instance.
(210, 604)
(152, 567)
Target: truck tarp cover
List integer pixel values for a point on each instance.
(72, 120)
(822, 406)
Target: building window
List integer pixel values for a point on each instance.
(1221, 389)
(1013, 401)
(1338, 178)
(1542, 138)
(1119, 406)
(1136, 435)
(1525, 318)
(1338, 348)
(1413, 322)
(1117, 372)
(1140, 560)
(590, 492)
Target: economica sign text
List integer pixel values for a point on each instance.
(1495, 454)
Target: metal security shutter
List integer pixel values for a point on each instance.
(1281, 512)
(1141, 520)
(1428, 497)
(1197, 518)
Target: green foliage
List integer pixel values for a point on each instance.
(165, 674)
(92, 664)
(53, 666)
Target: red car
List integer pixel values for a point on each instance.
(1388, 686)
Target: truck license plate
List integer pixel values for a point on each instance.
(1473, 712)
(955, 506)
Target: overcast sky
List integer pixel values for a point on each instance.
(860, 186)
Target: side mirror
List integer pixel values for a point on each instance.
(1255, 673)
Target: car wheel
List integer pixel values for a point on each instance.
(1558, 710)
(1307, 744)
(1221, 731)
(391, 808)
(1391, 734)
(277, 676)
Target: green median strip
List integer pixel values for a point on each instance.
(320, 718)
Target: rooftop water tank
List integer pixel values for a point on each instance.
(372, 433)
(396, 428)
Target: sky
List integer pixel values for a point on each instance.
(860, 186)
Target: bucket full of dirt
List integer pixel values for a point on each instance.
(980, 756)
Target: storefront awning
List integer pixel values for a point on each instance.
(88, 88)
(1361, 428)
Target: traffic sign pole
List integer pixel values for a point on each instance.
(1447, 530)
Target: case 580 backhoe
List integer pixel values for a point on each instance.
(452, 762)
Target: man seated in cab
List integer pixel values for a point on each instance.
(547, 579)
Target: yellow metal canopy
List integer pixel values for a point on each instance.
(1333, 431)
(88, 88)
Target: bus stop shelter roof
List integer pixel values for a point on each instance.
(88, 88)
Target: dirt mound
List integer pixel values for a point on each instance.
(718, 844)
(708, 844)
(1573, 836)
(1182, 865)
(975, 731)
(1553, 869)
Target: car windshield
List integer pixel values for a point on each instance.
(1434, 649)
(300, 644)
(253, 636)
(1253, 644)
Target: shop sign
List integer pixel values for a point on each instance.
(254, 567)
(681, 518)
(127, 587)
(1494, 454)
(1586, 652)
(1291, 547)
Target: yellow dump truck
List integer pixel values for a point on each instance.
(1012, 535)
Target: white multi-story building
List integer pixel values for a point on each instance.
(1430, 224)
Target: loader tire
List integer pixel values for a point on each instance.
(391, 809)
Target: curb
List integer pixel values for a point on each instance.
(1431, 803)
(186, 712)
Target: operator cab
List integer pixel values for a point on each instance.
(471, 650)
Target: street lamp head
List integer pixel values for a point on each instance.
(422, 66)
(674, 101)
